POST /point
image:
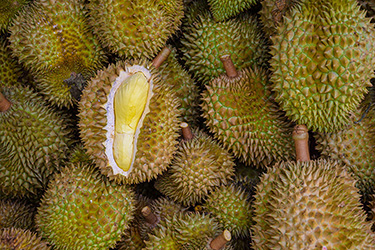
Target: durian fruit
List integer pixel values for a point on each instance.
(309, 205)
(322, 63)
(17, 214)
(8, 10)
(21, 239)
(206, 40)
(199, 166)
(81, 209)
(135, 29)
(34, 140)
(10, 70)
(239, 110)
(143, 147)
(131, 240)
(53, 40)
(222, 10)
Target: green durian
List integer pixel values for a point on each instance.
(323, 57)
(17, 214)
(82, 209)
(34, 141)
(309, 205)
(21, 239)
(10, 70)
(199, 166)
(225, 9)
(8, 10)
(54, 41)
(152, 141)
(135, 29)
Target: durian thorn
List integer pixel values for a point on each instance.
(220, 241)
(4, 103)
(149, 216)
(187, 134)
(229, 67)
(161, 57)
(301, 142)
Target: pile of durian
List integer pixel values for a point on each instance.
(201, 124)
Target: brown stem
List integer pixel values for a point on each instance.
(187, 134)
(161, 57)
(221, 240)
(149, 216)
(301, 142)
(4, 103)
(229, 66)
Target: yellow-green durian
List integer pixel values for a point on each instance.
(21, 239)
(82, 209)
(17, 214)
(8, 10)
(143, 145)
(10, 70)
(323, 57)
(135, 29)
(54, 41)
(309, 205)
(225, 9)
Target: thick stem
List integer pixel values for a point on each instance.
(161, 57)
(229, 66)
(187, 134)
(220, 241)
(4, 103)
(149, 216)
(301, 142)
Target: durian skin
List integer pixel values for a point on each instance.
(322, 63)
(34, 140)
(21, 239)
(10, 70)
(157, 140)
(241, 114)
(222, 10)
(309, 205)
(8, 10)
(17, 214)
(81, 209)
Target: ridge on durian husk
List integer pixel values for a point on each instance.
(323, 57)
(17, 214)
(241, 114)
(199, 166)
(157, 138)
(225, 9)
(309, 205)
(21, 239)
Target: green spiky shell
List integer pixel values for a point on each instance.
(131, 240)
(200, 165)
(322, 63)
(10, 70)
(241, 114)
(8, 10)
(81, 209)
(135, 29)
(222, 10)
(53, 40)
(309, 205)
(230, 205)
(206, 40)
(157, 141)
(17, 214)
(34, 139)
(21, 239)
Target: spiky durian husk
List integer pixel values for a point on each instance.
(17, 214)
(200, 165)
(53, 40)
(157, 140)
(81, 209)
(131, 240)
(21, 239)
(135, 29)
(8, 10)
(34, 140)
(323, 57)
(10, 70)
(206, 40)
(230, 206)
(309, 205)
(241, 114)
(222, 10)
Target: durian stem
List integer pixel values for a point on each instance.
(187, 134)
(229, 66)
(221, 240)
(4, 103)
(301, 142)
(149, 216)
(161, 57)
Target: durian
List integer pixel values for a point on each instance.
(8, 10)
(17, 214)
(225, 9)
(21, 239)
(10, 70)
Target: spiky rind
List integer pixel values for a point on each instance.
(131, 240)
(157, 140)
(82, 209)
(10, 70)
(17, 214)
(21, 239)
(200, 165)
(308, 205)
(322, 62)
(222, 10)
(8, 10)
(249, 125)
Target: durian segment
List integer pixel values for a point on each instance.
(129, 105)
